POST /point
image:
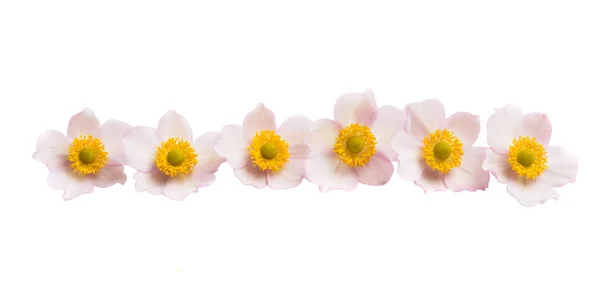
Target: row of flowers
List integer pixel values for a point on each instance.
(358, 146)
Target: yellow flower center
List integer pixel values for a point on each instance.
(355, 145)
(527, 157)
(442, 150)
(87, 155)
(269, 151)
(176, 157)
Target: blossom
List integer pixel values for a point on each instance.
(89, 156)
(263, 155)
(168, 161)
(355, 146)
(437, 153)
(520, 156)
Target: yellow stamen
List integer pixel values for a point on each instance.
(176, 157)
(355, 145)
(269, 151)
(527, 157)
(442, 150)
(87, 155)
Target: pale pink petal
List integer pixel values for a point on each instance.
(425, 117)
(387, 121)
(152, 182)
(72, 184)
(181, 187)
(323, 135)
(52, 149)
(208, 159)
(173, 125)
(290, 176)
(503, 126)
(562, 167)
(470, 175)
(354, 107)
(465, 126)
(324, 170)
(530, 193)
(431, 181)
(108, 176)
(498, 165)
(82, 123)
(377, 172)
(409, 155)
(231, 145)
(111, 135)
(139, 146)
(261, 118)
(537, 125)
(251, 175)
(294, 131)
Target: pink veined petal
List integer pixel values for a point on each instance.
(355, 107)
(111, 135)
(109, 175)
(70, 182)
(139, 146)
(180, 188)
(503, 126)
(52, 149)
(261, 118)
(387, 121)
(465, 126)
(208, 159)
(290, 176)
(173, 125)
(377, 172)
(323, 135)
(294, 131)
(425, 117)
(251, 175)
(232, 145)
(537, 125)
(470, 176)
(152, 182)
(498, 165)
(82, 123)
(530, 193)
(409, 155)
(562, 167)
(431, 181)
(324, 170)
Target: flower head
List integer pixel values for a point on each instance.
(520, 156)
(91, 155)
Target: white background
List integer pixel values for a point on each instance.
(213, 62)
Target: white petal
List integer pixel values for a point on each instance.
(387, 121)
(173, 125)
(109, 176)
(251, 175)
(355, 107)
(498, 165)
(152, 182)
(562, 167)
(329, 173)
(431, 181)
(465, 126)
(290, 176)
(409, 155)
(503, 126)
(323, 135)
(537, 125)
(181, 187)
(70, 182)
(82, 123)
(232, 145)
(111, 135)
(52, 149)
(377, 172)
(208, 159)
(294, 131)
(259, 119)
(531, 193)
(139, 146)
(470, 175)
(425, 117)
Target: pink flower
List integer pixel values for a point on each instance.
(355, 147)
(521, 157)
(89, 156)
(437, 153)
(168, 161)
(263, 155)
